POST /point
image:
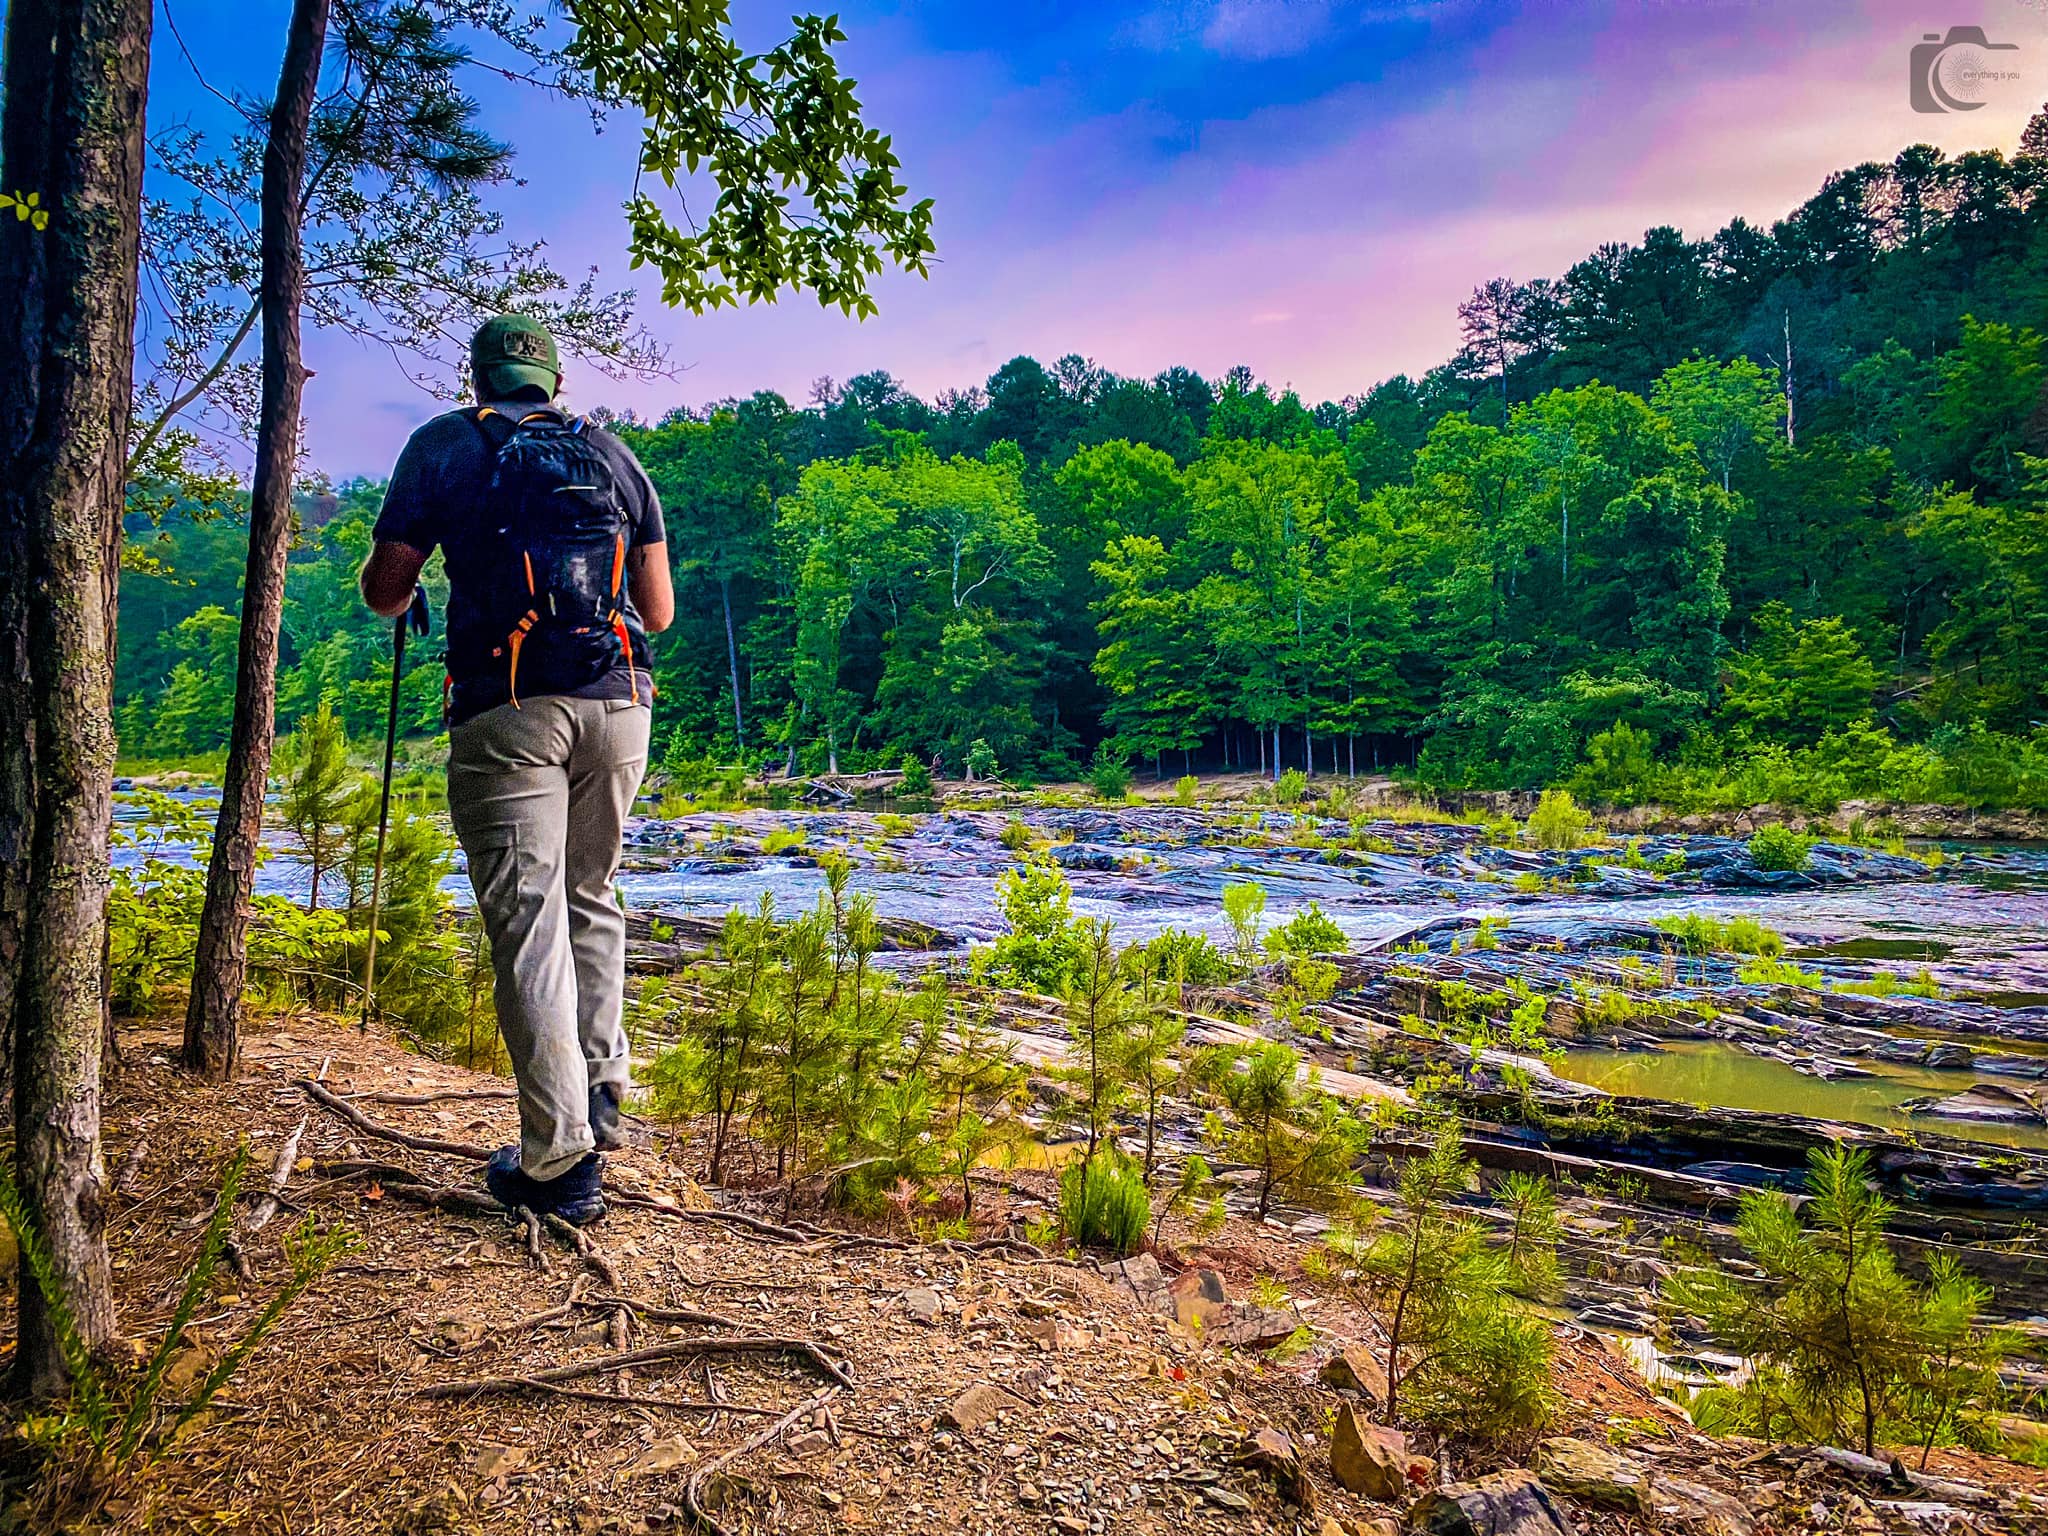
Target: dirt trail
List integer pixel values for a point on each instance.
(1100, 1416)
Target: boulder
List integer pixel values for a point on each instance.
(1249, 1327)
(1374, 1461)
(1272, 1454)
(1592, 1473)
(1355, 1369)
(1198, 1298)
(1147, 1282)
(1511, 1503)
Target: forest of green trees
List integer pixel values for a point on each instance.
(1751, 517)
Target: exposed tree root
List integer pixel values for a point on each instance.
(693, 1490)
(369, 1127)
(653, 1354)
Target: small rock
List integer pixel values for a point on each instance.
(1354, 1369)
(495, 1462)
(1227, 1498)
(662, 1456)
(923, 1303)
(1072, 1525)
(809, 1443)
(1511, 1503)
(1375, 1461)
(1593, 1473)
(974, 1407)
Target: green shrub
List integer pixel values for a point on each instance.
(1290, 787)
(1779, 847)
(1848, 1349)
(1244, 906)
(1104, 1203)
(1463, 1353)
(1890, 984)
(1559, 823)
(1308, 932)
(1015, 836)
(1110, 774)
(783, 839)
(917, 777)
(1189, 956)
(1702, 934)
(1301, 1140)
(1778, 973)
(981, 760)
(1620, 766)
(1184, 789)
(1041, 946)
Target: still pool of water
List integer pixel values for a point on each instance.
(1715, 1074)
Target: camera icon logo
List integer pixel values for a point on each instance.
(1952, 73)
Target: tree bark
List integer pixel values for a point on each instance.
(76, 83)
(732, 661)
(213, 1016)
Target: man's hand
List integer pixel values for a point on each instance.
(390, 576)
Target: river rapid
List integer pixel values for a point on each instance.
(1975, 926)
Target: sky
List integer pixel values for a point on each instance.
(1306, 187)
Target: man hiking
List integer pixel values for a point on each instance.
(557, 573)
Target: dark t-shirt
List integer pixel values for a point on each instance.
(435, 499)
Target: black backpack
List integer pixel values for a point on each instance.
(556, 533)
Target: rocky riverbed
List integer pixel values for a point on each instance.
(1915, 1017)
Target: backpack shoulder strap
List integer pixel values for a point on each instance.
(494, 426)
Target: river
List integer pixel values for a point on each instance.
(1977, 925)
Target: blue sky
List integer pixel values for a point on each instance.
(1304, 186)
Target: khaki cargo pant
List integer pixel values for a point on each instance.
(538, 795)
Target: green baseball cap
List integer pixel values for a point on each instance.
(510, 352)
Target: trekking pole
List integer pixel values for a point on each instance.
(416, 616)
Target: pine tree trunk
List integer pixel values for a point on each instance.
(213, 1016)
(76, 82)
(732, 662)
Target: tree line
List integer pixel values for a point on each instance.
(1751, 514)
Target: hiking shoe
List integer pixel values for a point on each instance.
(605, 1127)
(574, 1196)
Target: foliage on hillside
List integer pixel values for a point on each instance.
(1611, 543)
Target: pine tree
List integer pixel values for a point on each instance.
(1097, 1003)
(1301, 1140)
(1832, 1326)
(1455, 1339)
(317, 788)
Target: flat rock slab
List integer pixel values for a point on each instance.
(977, 1406)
